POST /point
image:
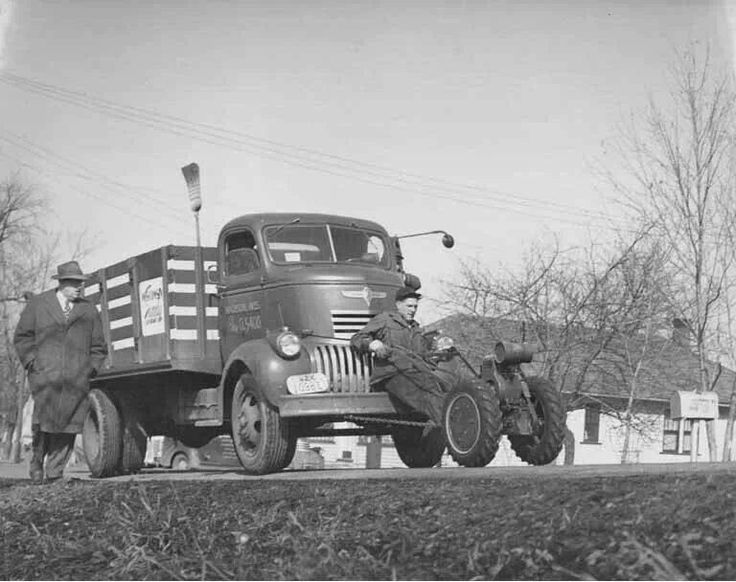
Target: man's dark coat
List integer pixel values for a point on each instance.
(61, 356)
(421, 388)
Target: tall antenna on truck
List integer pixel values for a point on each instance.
(191, 175)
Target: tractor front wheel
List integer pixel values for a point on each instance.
(472, 423)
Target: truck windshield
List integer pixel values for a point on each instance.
(305, 243)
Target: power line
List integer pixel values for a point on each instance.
(87, 175)
(298, 156)
(87, 194)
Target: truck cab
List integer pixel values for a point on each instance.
(293, 289)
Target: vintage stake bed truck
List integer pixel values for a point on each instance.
(248, 338)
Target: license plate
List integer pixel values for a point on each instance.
(307, 383)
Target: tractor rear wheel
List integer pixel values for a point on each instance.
(417, 449)
(472, 423)
(262, 439)
(545, 443)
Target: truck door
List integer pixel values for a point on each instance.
(242, 299)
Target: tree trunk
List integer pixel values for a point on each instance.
(627, 438)
(710, 431)
(728, 439)
(8, 444)
(569, 444)
(16, 448)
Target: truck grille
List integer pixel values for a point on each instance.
(346, 323)
(346, 370)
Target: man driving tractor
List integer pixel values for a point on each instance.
(394, 337)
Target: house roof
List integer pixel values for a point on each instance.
(666, 367)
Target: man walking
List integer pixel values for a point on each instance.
(59, 340)
(394, 337)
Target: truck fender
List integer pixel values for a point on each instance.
(269, 369)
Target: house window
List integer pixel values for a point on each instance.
(592, 423)
(676, 436)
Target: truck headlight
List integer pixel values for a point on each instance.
(288, 344)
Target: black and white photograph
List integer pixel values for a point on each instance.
(367, 290)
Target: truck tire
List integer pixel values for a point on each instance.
(290, 453)
(472, 423)
(102, 435)
(180, 462)
(545, 444)
(261, 437)
(135, 440)
(417, 451)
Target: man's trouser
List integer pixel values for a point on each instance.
(420, 391)
(52, 447)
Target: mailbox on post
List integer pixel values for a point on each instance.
(692, 405)
(697, 407)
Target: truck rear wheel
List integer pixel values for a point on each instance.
(417, 450)
(261, 437)
(543, 446)
(102, 435)
(472, 424)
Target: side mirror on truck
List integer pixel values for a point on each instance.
(213, 276)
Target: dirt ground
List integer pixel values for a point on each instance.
(545, 523)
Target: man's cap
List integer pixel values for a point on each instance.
(70, 270)
(406, 292)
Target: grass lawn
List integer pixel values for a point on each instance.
(680, 526)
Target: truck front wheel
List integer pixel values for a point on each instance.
(543, 446)
(102, 435)
(261, 437)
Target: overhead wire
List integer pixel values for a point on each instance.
(339, 166)
(87, 194)
(81, 172)
(375, 169)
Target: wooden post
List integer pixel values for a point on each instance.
(373, 452)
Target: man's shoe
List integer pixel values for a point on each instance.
(36, 475)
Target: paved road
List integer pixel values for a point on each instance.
(8, 470)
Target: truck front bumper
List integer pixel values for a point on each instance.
(335, 404)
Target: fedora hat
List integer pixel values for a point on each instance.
(70, 270)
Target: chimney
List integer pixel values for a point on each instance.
(681, 333)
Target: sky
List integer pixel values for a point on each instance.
(486, 119)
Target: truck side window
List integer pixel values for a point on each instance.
(241, 256)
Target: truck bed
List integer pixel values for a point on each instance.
(159, 312)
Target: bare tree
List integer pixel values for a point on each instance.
(679, 178)
(639, 286)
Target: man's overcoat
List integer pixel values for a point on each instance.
(61, 356)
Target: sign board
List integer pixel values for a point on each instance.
(687, 404)
(151, 294)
